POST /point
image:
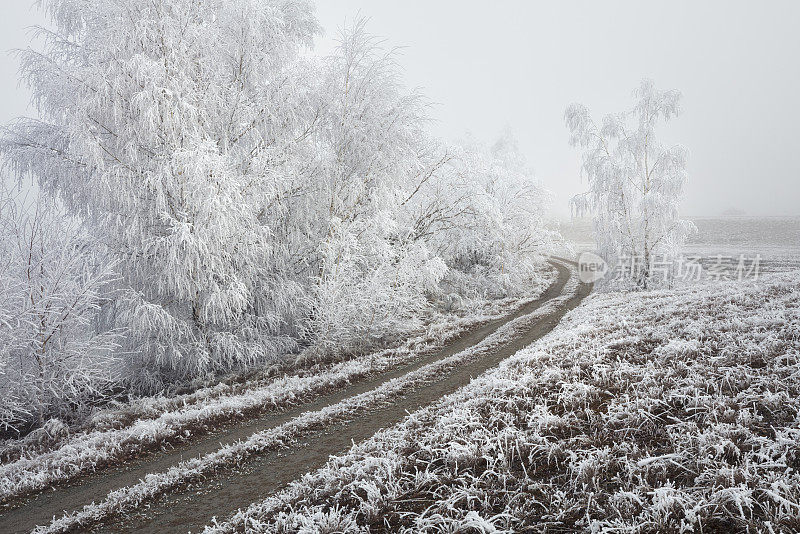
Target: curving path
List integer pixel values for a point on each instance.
(222, 493)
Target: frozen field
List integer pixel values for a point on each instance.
(669, 411)
(775, 239)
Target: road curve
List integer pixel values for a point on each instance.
(222, 493)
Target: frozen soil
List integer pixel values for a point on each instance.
(229, 489)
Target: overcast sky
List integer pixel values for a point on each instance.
(519, 63)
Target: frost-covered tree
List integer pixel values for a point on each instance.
(54, 357)
(178, 127)
(635, 182)
(370, 278)
(484, 214)
(254, 197)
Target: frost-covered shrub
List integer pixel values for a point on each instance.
(485, 217)
(358, 302)
(54, 360)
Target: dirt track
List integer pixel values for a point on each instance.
(225, 492)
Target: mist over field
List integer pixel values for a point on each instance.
(745, 231)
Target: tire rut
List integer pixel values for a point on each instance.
(225, 492)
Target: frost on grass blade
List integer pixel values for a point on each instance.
(647, 412)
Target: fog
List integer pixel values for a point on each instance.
(518, 64)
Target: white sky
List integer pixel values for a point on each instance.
(518, 64)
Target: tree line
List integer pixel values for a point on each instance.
(214, 197)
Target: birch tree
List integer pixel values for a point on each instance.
(177, 126)
(635, 182)
(370, 278)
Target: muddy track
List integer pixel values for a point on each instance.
(225, 492)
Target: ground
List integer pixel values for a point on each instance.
(290, 426)
(653, 412)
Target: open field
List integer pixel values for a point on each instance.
(775, 239)
(649, 412)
